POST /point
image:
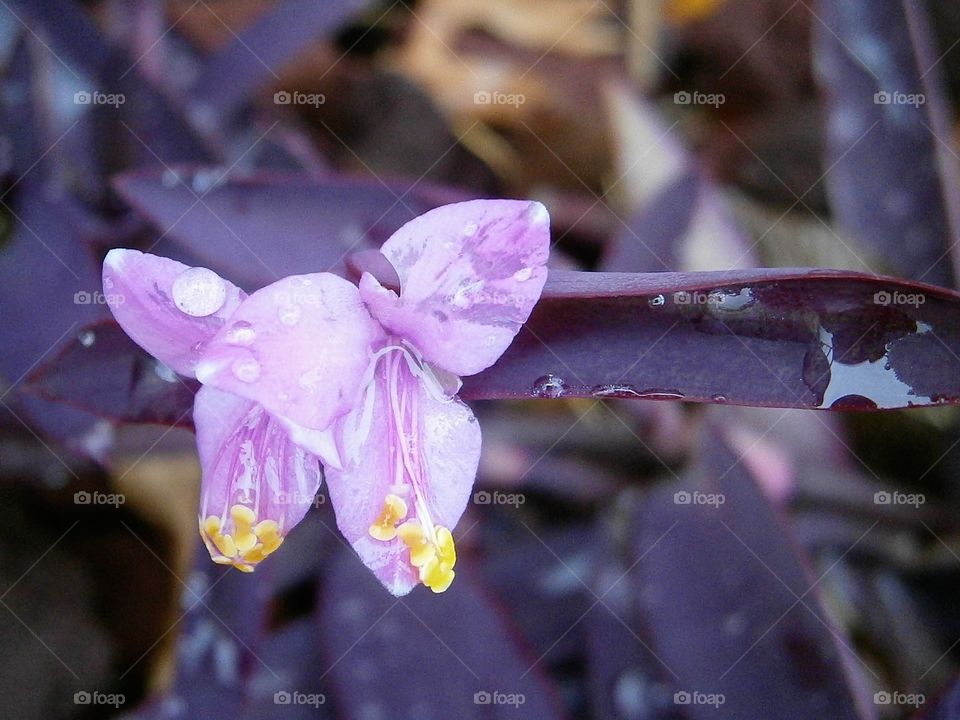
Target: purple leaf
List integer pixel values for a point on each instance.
(425, 655)
(946, 707)
(729, 605)
(892, 182)
(785, 338)
(254, 230)
(141, 389)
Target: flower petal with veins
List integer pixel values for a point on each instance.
(299, 347)
(256, 485)
(402, 441)
(143, 290)
(470, 274)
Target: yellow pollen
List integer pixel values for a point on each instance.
(248, 541)
(385, 527)
(435, 557)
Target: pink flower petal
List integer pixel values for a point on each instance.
(440, 442)
(248, 462)
(169, 309)
(299, 347)
(470, 273)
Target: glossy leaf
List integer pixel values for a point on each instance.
(730, 607)
(424, 655)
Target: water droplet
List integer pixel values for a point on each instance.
(728, 300)
(246, 370)
(656, 301)
(290, 314)
(205, 180)
(718, 398)
(470, 229)
(538, 214)
(548, 386)
(87, 338)
(170, 179)
(523, 274)
(241, 333)
(660, 394)
(199, 292)
(613, 391)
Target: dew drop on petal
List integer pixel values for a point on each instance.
(470, 229)
(246, 370)
(241, 333)
(289, 314)
(199, 292)
(523, 274)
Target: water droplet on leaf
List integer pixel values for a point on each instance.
(548, 386)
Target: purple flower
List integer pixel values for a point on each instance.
(364, 380)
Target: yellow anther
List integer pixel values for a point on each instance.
(243, 517)
(436, 576)
(394, 510)
(245, 542)
(225, 544)
(437, 573)
(211, 525)
(239, 541)
(445, 546)
(413, 536)
(266, 528)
